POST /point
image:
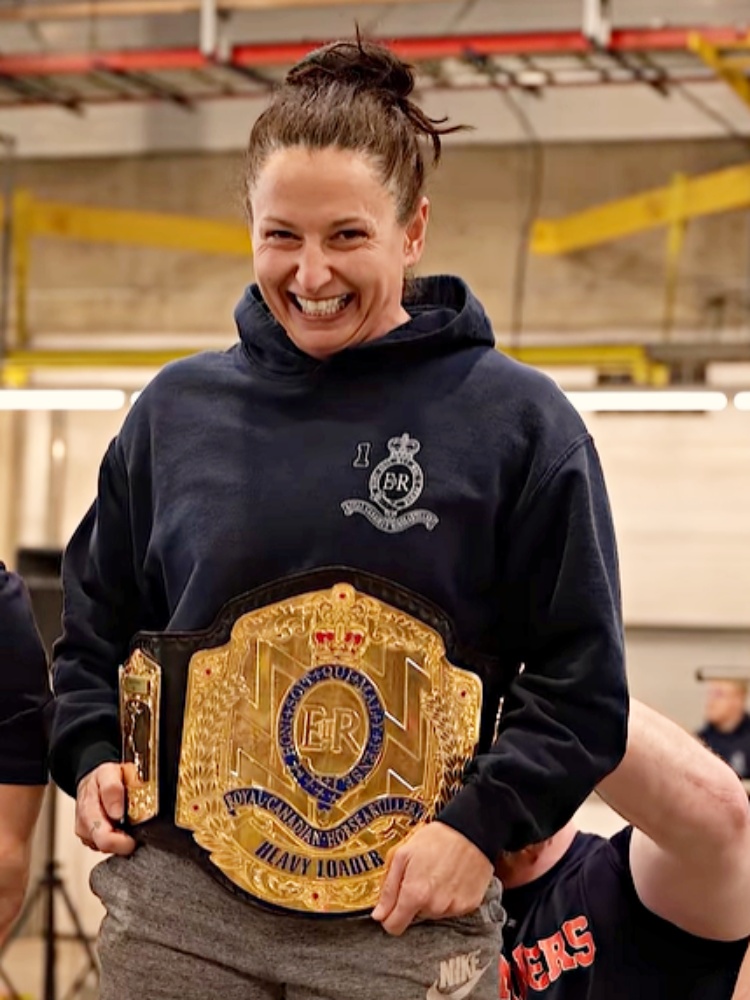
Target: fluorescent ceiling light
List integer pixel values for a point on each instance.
(61, 399)
(742, 400)
(648, 401)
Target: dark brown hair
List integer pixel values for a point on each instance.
(353, 95)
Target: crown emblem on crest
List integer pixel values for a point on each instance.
(395, 485)
(341, 627)
(403, 447)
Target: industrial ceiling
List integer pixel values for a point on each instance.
(91, 63)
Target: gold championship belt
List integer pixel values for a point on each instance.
(322, 733)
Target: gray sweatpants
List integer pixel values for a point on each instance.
(172, 933)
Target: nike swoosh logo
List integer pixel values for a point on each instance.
(461, 991)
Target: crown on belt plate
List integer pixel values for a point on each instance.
(342, 626)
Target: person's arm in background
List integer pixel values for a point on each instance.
(690, 849)
(24, 693)
(19, 809)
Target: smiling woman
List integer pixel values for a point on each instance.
(330, 253)
(335, 195)
(323, 558)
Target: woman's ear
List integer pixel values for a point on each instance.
(415, 233)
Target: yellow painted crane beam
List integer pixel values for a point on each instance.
(629, 360)
(686, 198)
(32, 360)
(144, 229)
(725, 67)
(32, 219)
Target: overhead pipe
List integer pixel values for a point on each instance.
(101, 9)
(417, 49)
(597, 21)
(209, 34)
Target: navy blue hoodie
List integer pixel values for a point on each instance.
(425, 457)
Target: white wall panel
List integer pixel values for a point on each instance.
(680, 490)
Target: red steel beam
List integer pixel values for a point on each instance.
(672, 39)
(81, 63)
(414, 49)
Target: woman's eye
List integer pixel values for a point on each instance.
(347, 235)
(280, 234)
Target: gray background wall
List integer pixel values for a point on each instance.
(479, 196)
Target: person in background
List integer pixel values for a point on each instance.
(24, 694)
(727, 728)
(365, 425)
(660, 911)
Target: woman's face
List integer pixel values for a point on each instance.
(329, 252)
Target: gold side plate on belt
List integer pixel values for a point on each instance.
(326, 730)
(140, 694)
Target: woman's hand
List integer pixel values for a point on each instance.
(100, 804)
(434, 873)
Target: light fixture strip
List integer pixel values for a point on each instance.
(585, 401)
(61, 399)
(648, 401)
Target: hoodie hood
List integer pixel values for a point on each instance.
(444, 315)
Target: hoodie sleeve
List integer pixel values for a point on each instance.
(564, 719)
(24, 687)
(101, 613)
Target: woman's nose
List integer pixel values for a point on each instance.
(313, 270)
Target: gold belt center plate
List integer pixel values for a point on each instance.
(327, 728)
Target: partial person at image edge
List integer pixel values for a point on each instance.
(727, 728)
(24, 696)
(659, 911)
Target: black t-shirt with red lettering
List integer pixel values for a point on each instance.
(580, 932)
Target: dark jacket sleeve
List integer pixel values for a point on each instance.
(101, 612)
(24, 687)
(563, 725)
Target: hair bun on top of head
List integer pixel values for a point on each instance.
(359, 64)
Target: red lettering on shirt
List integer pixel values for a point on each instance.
(506, 987)
(536, 967)
(538, 978)
(556, 955)
(581, 940)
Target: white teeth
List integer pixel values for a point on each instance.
(321, 307)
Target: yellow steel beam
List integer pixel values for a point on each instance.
(149, 229)
(33, 360)
(733, 76)
(675, 242)
(632, 360)
(722, 191)
(738, 62)
(21, 260)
